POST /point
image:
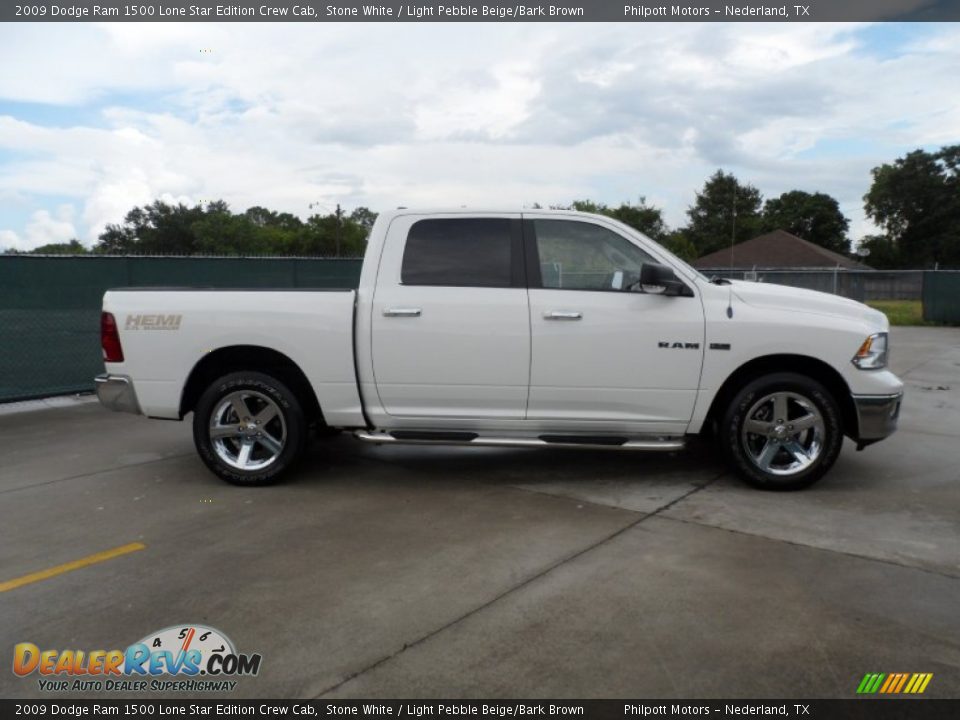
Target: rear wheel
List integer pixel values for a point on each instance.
(782, 432)
(249, 428)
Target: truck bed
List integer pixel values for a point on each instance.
(166, 332)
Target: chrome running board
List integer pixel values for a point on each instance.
(585, 442)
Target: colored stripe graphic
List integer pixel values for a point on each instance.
(893, 680)
(894, 683)
(870, 683)
(903, 680)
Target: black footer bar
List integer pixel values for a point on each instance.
(854, 709)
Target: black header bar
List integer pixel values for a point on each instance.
(490, 11)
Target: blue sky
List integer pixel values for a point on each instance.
(104, 117)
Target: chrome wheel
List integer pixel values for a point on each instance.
(783, 433)
(247, 430)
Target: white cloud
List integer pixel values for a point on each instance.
(45, 228)
(605, 74)
(42, 229)
(9, 240)
(286, 115)
(489, 111)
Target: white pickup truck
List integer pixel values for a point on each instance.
(532, 329)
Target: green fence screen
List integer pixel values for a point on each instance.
(941, 297)
(50, 306)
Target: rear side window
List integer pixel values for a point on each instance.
(470, 252)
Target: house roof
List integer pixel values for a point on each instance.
(777, 249)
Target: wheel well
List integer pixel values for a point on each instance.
(800, 364)
(250, 357)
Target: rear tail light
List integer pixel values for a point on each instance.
(110, 339)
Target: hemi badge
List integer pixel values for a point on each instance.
(719, 346)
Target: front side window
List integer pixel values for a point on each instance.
(470, 252)
(582, 256)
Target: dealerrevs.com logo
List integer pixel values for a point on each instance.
(187, 658)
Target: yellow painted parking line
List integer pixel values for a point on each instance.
(70, 566)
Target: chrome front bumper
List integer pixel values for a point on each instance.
(116, 392)
(877, 416)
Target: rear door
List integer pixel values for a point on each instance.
(450, 324)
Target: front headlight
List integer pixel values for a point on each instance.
(872, 355)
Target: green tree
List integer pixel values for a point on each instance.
(262, 217)
(680, 245)
(916, 201)
(645, 218)
(74, 247)
(319, 237)
(364, 217)
(222, 233)
(879, 252)
(813, 216)
(158, 228)
(212, 229)
(724, 211)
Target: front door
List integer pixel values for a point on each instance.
(451, 331)
(601, 352)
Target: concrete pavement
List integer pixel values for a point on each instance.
(422, 572)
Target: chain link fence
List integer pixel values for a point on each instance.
(860, 285)
(50, 306)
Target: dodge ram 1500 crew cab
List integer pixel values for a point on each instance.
(527, 329)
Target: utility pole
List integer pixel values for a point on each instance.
(339, 227)
(733, 225)
(339, 215)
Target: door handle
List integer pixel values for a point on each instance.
(563, 315)
(401, 312)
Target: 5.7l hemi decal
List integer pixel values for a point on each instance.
(153, 322)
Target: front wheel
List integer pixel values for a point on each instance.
(249, 428)
(782, 432)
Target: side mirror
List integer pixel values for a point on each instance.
(657, 279)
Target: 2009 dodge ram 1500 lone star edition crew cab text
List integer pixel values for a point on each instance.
(527, 329)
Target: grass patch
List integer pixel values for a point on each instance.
(901, 312)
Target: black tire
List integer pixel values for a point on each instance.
(776, 458)
(275, 445)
